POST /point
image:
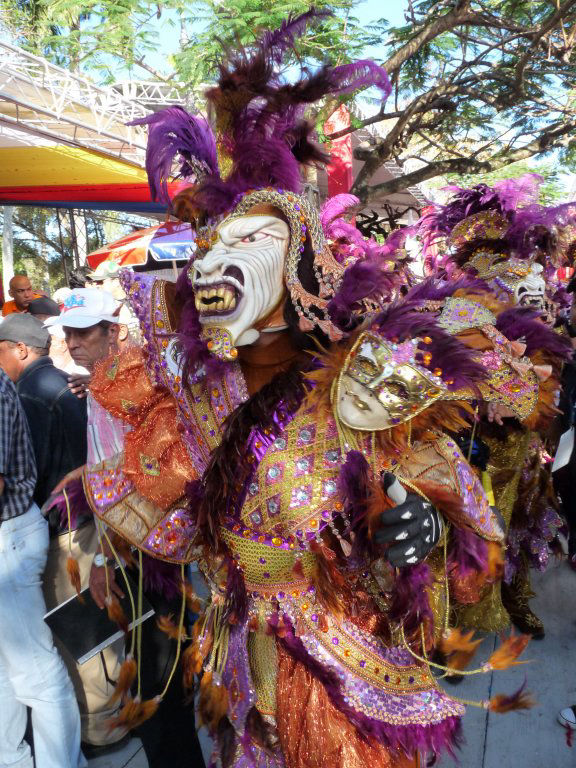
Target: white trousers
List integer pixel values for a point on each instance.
(32, 673)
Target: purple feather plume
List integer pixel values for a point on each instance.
(174, 132)
(334, 208)
(282, 39)
(520, 323)
(363, 280)
(410, 603)
(468, 551)
(435, 289)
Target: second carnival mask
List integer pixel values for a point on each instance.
(382, 384)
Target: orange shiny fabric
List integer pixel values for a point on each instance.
(314, 734)
(122, 386)
(155, 458)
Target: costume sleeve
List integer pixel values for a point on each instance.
(474, 538)
(140, 491)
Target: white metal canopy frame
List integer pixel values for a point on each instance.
(46, 100)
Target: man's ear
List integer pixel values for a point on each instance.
(122, 332)
(22, 350)
(10, 292)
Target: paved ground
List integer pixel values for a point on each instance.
(531, 739)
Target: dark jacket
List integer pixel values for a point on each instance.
(57, 421)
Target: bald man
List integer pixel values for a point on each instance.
(22, 294)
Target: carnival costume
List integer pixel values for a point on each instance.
(503, 239)
(268, 462)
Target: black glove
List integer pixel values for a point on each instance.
(409, 531)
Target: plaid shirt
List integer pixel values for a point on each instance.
(17, 465)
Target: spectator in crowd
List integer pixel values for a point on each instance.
(43, 308)
(91, 326)
(57, 421)
(32, 674)
(22, 294)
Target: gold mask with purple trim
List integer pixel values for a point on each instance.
(382, 384)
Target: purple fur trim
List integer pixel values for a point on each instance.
(78, 504)
(468, 551)
(410, 604)
(161, 577)
(236, 595)
(521, 323)
(174, 132)
(438, 738)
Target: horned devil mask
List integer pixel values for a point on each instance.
(239, 282)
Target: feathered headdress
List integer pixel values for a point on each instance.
(254, 152)
(504, 219)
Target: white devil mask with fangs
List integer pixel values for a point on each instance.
(239, 282)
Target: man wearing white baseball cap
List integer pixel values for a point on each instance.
(89, 319)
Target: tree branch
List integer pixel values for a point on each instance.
(542, 31)
(560, 134)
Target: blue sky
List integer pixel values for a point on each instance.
(366, 11)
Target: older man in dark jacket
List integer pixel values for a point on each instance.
(57, 419)
(58, 424)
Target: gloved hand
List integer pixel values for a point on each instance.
(408, 531)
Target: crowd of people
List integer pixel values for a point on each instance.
(352, 443)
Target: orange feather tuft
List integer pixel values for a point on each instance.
(73, 571)
(192, 661)
(213, 700)
(116, 613)
(193, 602)
(459, 648)
(126, 677)
(495, 561)
(135, 712)
(505, 656)
(167, 625)
(518, 700)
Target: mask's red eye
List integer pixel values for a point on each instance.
(254, 237)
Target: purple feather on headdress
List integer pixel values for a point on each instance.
(533, 225)
(174, 132)
(261, 122)
(280, 40)
(516, 193)
(333, 209)
(363, 280)
(525, 324)
(435, 289)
